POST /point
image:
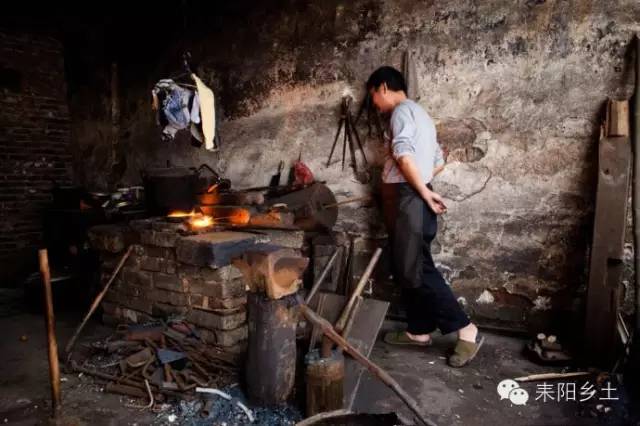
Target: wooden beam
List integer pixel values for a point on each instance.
(606, 267)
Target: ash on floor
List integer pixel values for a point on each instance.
(223, 412)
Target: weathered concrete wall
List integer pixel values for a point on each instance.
(515, 87)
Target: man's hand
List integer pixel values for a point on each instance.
(435, 202)
(411, 173)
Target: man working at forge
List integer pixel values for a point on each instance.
(410, 210)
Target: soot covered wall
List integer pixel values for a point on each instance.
(515, 87)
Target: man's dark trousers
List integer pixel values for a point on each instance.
(411, 226)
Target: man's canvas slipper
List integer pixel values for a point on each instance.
(465, 352)
(400, 338)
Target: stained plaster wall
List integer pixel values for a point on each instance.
(516, 89)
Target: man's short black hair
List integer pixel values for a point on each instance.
(389, 75)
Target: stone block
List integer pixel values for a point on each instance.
(213, 249)
(169, 297)
(138, 250)
(139, 304)
(185, 270)
(239, 349)
(217, 321)
(151, 264)
(158, 238)
(110, 238)
(109, 308)
(212, 303)
(229, 339)
(130, 315)
(168, 253)
(169, 282)
(134, 277)
(140, 225)
(158, 264)
(133, 291)
(166, 310)
(166, 226)
(220, 290)
(123, 300)
(222, 274)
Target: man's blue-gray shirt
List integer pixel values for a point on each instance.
(413, 133)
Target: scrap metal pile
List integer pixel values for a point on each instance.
(176, 375)
(171, 358)
(163, 362)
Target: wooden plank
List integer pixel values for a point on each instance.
(617, 118)
(364, 331)
(607, 249)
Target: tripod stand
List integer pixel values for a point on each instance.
(350, 133)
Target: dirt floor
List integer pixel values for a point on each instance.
(465, 396)
(469, 396)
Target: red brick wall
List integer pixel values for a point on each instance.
(34, 141)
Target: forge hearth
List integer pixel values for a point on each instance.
(176, 271)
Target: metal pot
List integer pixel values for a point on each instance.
(171, 188)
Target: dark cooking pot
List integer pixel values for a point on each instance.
(175, 188)
(171, 188)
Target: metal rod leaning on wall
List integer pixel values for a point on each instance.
(636, 182)
(54, 367)
(378, 372)
(97, 301)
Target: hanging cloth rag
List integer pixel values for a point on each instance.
(207, 112)
(172, 105)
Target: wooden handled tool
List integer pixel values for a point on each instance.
(97, 301)
(346, 312)
(377, 371)
(54, 367)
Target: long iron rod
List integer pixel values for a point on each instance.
(97, 301)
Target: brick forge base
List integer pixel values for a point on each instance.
(172, 272)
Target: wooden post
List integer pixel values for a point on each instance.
(378, 372)
(271, 351)
(54, 367)
(636, 186)
(325, 382)
(606, 267)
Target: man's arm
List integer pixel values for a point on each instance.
(404, 134)
(410, 171)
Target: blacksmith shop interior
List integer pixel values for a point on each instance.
(336, 212)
